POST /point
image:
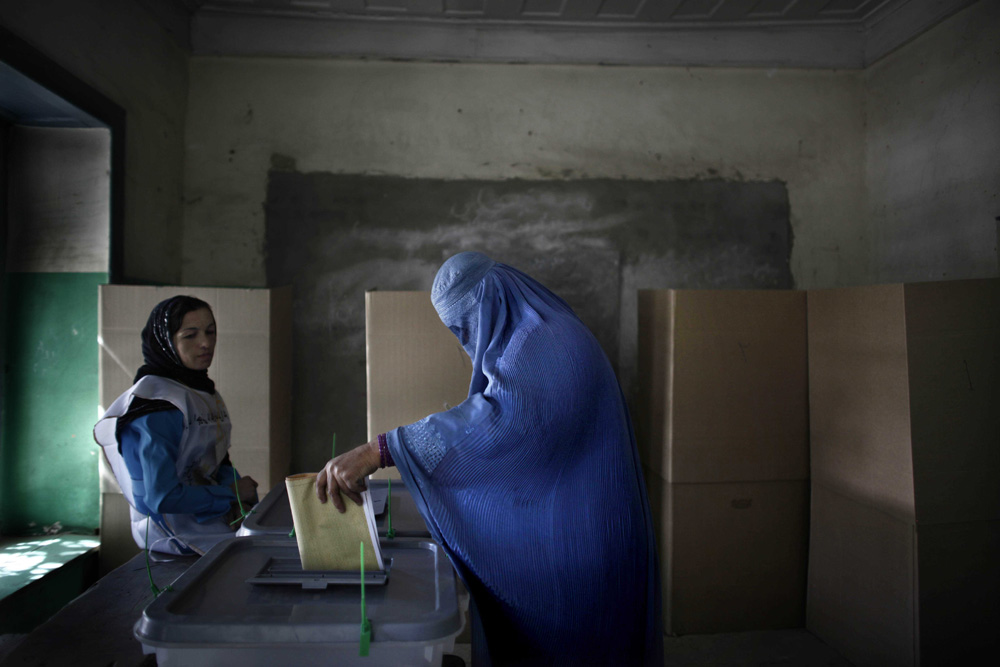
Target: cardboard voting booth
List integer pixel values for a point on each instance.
(905, 419)
(824, 459)
(416, 367)
(722, 428)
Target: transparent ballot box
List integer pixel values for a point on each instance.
(247, 603)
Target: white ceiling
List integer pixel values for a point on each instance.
(769, 33)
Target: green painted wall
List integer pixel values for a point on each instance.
(48, 457)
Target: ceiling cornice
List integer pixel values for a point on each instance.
(811, 39)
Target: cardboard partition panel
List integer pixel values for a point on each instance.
(859, 396)
(117, 545)
(723, 385)
(958, 585)
(732, 555)
(886, 592)
(905, 426)
(953, 357)
(861, 598)
(904, 395)
(416, 366)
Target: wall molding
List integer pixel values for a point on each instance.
(828, 44)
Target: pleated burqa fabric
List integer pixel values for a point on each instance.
(533, 484)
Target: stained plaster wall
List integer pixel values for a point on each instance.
(817, 134)
(456, 121)
(592, 241)
(933, 135)
(117, 48)
(249, 119)
(59, 203)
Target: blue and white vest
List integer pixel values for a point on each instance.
(203, 447)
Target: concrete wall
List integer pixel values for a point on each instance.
(933, 137)
(592, 241)
(59, 203)
(453, 121)
(888, 172)
(251, 120)
(117, 48)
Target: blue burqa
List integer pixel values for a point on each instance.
(533, 484)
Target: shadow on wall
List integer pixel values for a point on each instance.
(593, 242)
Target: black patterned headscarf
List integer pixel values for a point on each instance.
(158, 352)
(160, 358)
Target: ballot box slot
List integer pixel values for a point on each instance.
(287, 571)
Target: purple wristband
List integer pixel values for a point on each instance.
(384, 457)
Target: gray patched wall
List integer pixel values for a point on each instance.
(594, 242)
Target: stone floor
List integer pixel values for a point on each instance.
(776, 648)
(794, 648)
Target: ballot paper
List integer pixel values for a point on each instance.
(327, 539)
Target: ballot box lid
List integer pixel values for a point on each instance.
(212, 605)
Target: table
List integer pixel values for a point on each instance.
(96, 628)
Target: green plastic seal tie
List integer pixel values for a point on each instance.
(366, 625)
(152, 585)
(243, 513)
(388, 512)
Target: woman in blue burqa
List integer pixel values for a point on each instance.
(533, 484)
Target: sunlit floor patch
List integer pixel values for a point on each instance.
(24, 559)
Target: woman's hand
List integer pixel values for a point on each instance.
(346, 474)
(246, 488)
(233, 518)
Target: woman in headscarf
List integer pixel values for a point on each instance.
(533, 484)
(167, 437)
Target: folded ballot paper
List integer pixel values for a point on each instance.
(329, 540)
